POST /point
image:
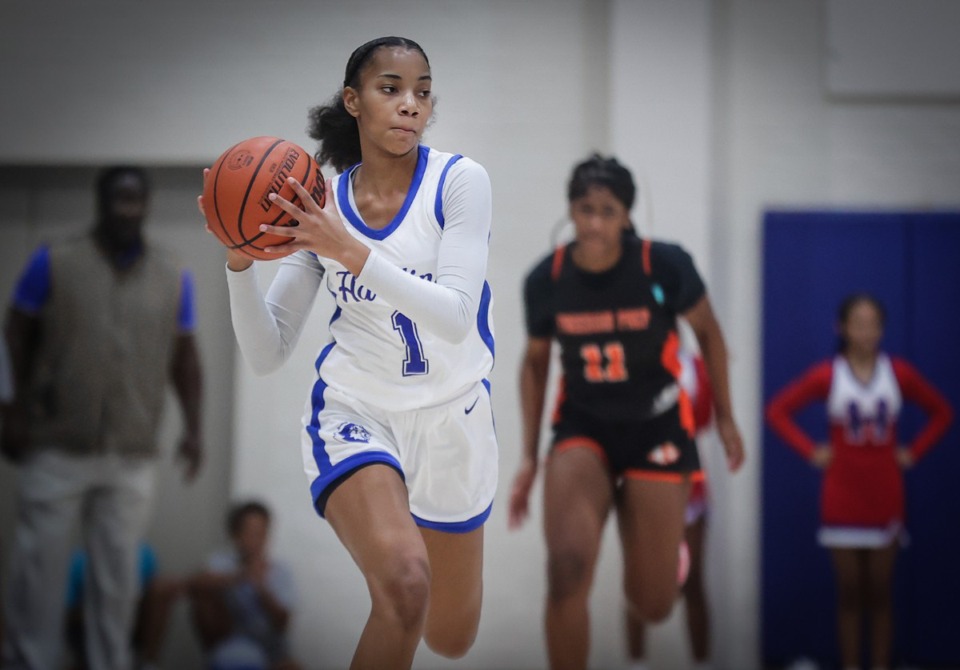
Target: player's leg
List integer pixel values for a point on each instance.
(578, 495)
(694, 592)
(456, 590)
(636, 637)
(847, 567)
(114, 522)
(50, 489)
(370, 514)
(650, 515)
(880, 563)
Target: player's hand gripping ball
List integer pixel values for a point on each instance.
(236, 193)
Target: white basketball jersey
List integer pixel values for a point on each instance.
(867, 411)
(378, 354)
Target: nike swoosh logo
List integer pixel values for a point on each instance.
(470, 408)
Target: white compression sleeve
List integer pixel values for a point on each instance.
(268, 327)
(448, 307)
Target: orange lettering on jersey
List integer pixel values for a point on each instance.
(633, 319)
(585, 323)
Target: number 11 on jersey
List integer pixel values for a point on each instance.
(604, 365)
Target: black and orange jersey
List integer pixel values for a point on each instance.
(617, 329)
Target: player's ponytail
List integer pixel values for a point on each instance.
(332, 125)
(336, 130)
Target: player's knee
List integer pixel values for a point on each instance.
(651, 608)
(568, 572)
(402, 591)
(451, 644)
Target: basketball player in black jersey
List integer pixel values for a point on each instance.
(622, 427)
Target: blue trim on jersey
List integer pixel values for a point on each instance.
(187, 316)
(346, 466)
(438, 204)
(343, 198)
(483, 318)
(456, 526)
(33, 287)
(486, 385)
(320, 456)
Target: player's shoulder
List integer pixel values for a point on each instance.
(668, 251)
(456, 164)
(542, 271)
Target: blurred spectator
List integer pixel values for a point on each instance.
(100, 322)
(862, 500)
(243, 600)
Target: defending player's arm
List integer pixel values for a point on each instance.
(534, 370)
(533, 390)
(714, 351)
(685, 291)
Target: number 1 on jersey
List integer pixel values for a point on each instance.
(594, 369)
(415, 363)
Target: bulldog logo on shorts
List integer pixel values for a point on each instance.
(351, 432)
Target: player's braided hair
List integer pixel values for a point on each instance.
(332, 125)
(600, 171)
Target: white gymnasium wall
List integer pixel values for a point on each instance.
(720, 108)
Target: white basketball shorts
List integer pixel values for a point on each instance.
(446, 454)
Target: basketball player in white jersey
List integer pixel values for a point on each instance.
(398, 439)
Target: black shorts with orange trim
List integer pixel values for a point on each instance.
(656, 448)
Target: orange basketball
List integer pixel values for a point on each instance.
(235, 196)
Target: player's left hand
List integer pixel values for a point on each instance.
(321, 229)
(732, 442)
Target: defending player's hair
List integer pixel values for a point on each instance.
(332, 125)
(600, 171)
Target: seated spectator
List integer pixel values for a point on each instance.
(243, 600)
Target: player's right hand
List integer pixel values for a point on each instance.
(520, 493)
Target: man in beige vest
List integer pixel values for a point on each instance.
(99, 325)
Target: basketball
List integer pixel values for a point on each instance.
(236, 194)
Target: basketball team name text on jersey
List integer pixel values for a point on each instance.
(349, 289)
(607, 321)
